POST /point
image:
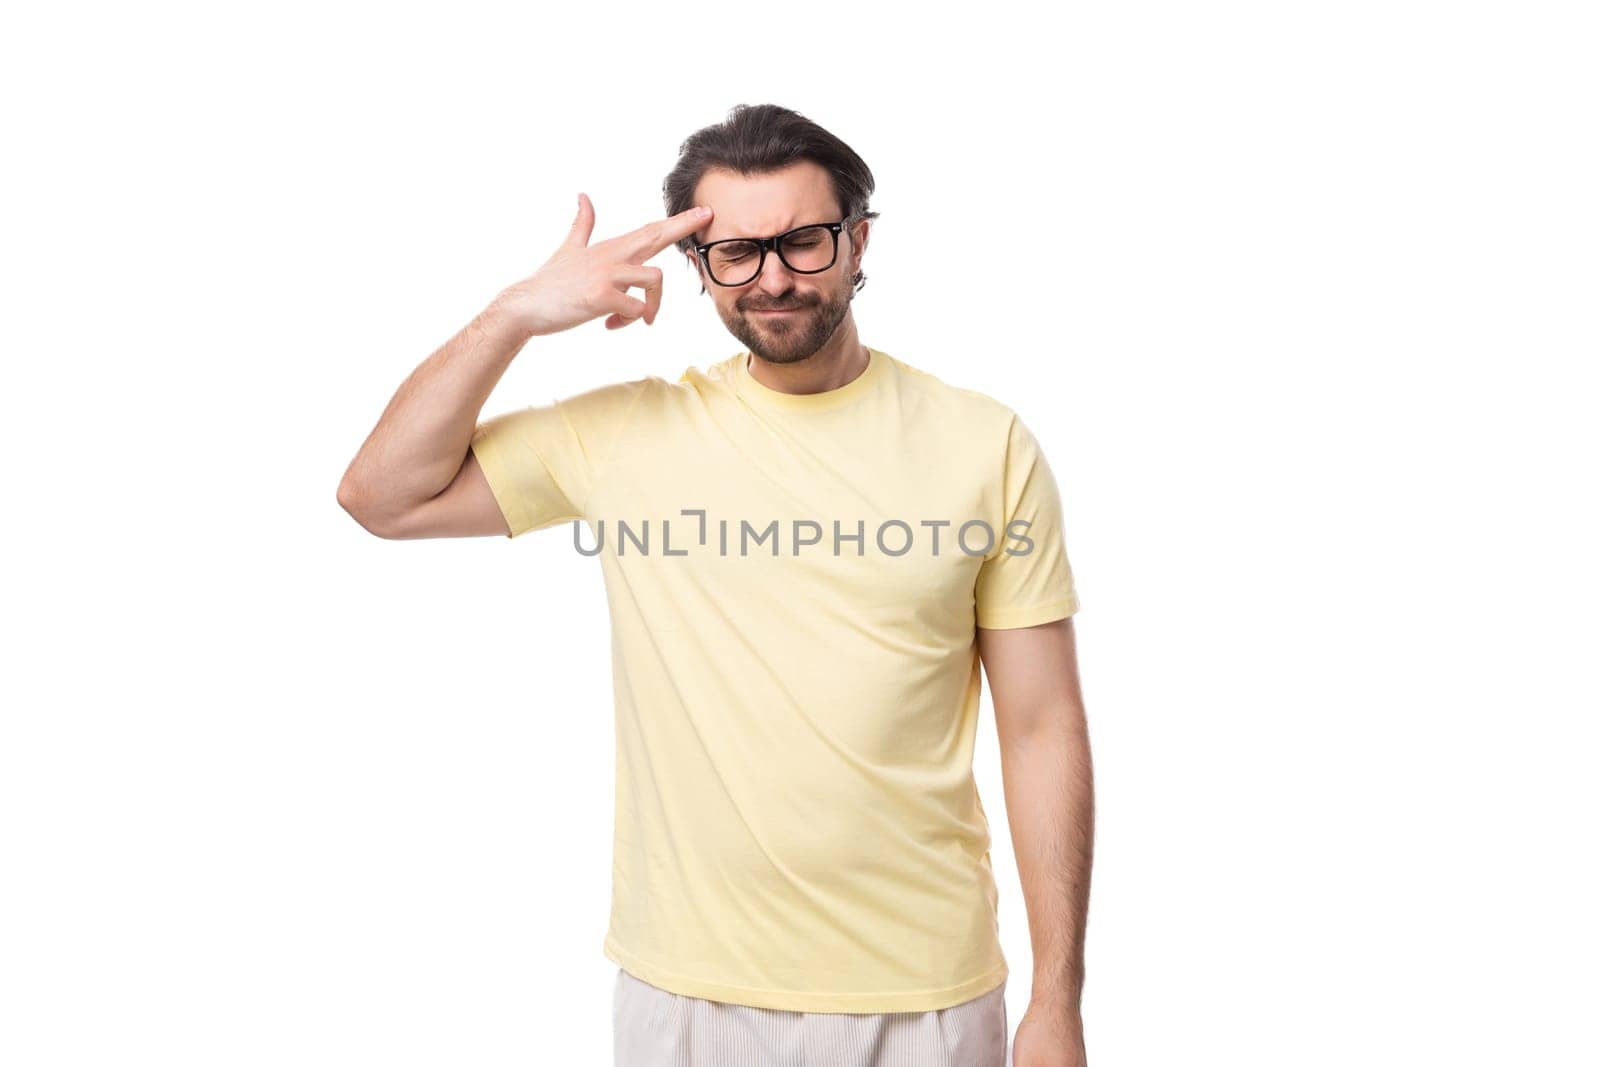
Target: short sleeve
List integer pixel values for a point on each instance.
(1027, 580)
(542, 462)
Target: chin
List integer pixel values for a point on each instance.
(782, 357)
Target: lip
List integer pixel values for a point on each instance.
(778, 311)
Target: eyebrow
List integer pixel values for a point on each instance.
(751, 237)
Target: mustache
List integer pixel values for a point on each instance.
(775, 307)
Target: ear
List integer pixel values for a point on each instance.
(858, 239)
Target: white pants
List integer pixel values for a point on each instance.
(655, 1028)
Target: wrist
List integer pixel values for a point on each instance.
(1062, 1007)
(503, 315)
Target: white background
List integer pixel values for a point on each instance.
(1300, 300)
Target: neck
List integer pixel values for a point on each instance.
(835, 364)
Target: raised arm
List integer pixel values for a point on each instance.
(415, 475)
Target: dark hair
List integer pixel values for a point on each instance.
(759, 139)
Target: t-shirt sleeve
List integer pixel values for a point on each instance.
(542, 462)
(1027, 579)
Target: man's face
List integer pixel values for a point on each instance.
(764, 206)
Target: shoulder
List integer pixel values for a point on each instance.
(612, 400)
(712, 377)
(651, 392)
(960, 408)
(694, 385)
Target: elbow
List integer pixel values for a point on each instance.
(1056, 722)
(356, 504)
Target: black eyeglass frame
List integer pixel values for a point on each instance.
(775, 244)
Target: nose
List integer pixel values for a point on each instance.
(775, 279)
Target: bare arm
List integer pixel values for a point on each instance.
(415, 475)
(1049, 786)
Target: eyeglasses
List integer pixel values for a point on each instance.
(808, 249)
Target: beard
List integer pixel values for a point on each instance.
(791, 338)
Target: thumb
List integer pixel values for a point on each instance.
(582, 225)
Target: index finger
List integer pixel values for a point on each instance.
(652, 237)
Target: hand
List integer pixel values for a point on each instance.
(582, 281)
(1048, 1038)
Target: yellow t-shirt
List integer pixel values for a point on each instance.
(794, 582)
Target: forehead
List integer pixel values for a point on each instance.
(759, 205)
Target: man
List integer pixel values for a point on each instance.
(808, 549)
